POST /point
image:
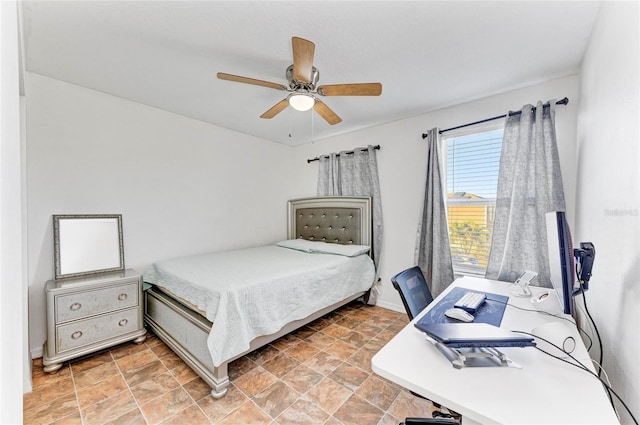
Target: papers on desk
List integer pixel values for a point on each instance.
(491, 311)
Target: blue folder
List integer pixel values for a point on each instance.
(490, 312)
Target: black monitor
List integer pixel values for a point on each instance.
(561, 262)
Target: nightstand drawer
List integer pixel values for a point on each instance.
(89, 303)
(85, 332)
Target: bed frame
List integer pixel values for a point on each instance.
(343, 220)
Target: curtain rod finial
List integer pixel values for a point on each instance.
(425, 135)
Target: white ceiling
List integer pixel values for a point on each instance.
(427, 54)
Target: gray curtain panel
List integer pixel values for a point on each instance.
(529, 186)
(355, 175)
(433, 253)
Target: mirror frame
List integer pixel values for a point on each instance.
(58, 257)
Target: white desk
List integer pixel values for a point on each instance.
(544, 391)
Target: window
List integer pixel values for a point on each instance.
(473, 162)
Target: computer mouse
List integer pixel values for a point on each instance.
(459, 314)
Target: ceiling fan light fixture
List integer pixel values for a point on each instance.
(301, 102)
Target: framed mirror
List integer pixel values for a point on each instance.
(87, 244)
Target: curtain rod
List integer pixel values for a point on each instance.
(559, 102)
(317, 158)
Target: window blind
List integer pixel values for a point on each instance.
(473, 162)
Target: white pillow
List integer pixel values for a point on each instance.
(297, 244)
(319, 247)
(346, 250)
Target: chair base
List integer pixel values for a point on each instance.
(430, 421)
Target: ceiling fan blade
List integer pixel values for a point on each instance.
(361, 89)
(246, 80)
(325, 112)
(276, 109)
(303, 51)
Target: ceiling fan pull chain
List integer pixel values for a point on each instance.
(313, 138)
(290, 124)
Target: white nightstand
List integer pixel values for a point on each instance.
(90, 313)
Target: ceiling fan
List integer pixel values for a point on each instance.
(303, 92)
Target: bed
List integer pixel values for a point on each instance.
(211, 309)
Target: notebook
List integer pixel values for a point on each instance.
(474, 335)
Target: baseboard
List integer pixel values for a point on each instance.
(27, 386)
(391, 306)
(36, 353)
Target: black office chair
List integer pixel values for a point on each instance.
(413, 289)
(416, 295)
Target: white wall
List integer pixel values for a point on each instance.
(608, 197)
(182, 186)
(401, 164)
(12, 289)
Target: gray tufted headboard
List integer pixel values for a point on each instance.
(335, 219)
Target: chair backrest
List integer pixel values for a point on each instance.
(414, 291)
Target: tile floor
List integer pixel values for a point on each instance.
(320, 374)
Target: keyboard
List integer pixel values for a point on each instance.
(470, 301)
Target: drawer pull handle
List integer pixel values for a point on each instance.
(122, 297)
(123, 322)
(75, 306)
(76, 335)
